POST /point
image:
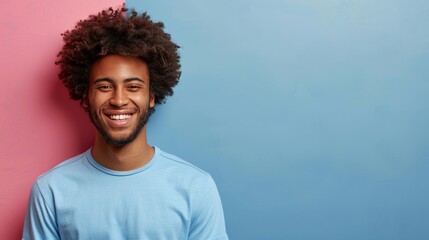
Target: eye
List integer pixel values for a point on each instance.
(134, 88)
(104, 88)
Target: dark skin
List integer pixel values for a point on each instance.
(117, 98)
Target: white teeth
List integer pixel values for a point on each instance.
(119, 117)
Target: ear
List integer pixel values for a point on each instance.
(84, 102)
(152, 100)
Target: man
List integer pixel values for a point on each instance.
(119, 65)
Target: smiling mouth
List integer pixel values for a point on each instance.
(120, 117)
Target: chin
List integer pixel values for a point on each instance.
(120, 140)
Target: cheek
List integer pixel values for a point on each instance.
(97, 100)
(140, 100)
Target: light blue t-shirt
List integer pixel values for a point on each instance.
(168, 198)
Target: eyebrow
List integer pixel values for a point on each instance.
(125, 81)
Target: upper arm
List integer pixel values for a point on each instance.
(40, 220)
(207, 214)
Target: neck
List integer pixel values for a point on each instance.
(125, 158)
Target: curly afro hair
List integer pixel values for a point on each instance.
(122, 32)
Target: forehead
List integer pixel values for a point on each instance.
(118, 67)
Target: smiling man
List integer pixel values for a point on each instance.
(119, 65)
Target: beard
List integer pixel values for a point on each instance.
(123, 140)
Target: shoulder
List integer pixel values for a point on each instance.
(177, 162)
(70, 166)
(176, 168)
(57, 179)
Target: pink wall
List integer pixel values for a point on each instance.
(39, 126)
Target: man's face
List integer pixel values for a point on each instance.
(119, 99)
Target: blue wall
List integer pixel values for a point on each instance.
(312, 116)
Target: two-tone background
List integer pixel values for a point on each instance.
(312, 116)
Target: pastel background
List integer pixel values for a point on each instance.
(311, 115)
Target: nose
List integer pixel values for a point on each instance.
(119, 98)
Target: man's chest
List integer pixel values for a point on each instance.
(152, 212)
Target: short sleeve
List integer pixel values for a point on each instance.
(207, 214)
(39, 219)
